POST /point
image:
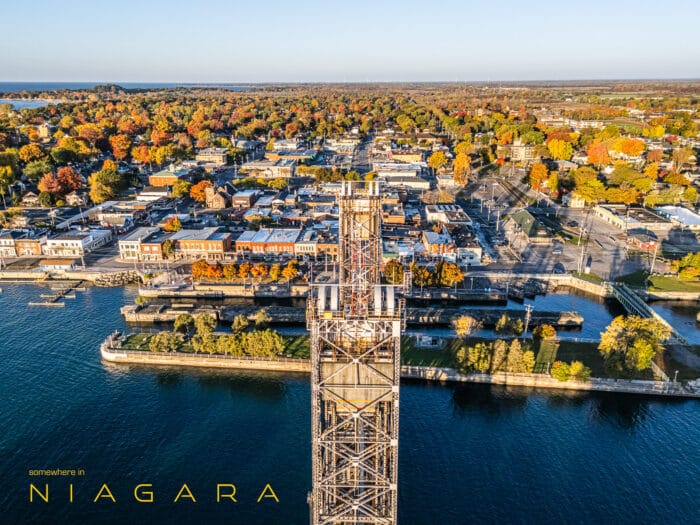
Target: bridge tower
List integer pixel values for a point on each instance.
(355, 325)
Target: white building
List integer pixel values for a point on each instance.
(76, 243)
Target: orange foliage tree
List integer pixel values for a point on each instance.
(197, 192)
(538, 176)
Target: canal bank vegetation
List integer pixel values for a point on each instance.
(630, 343)
(687, 280)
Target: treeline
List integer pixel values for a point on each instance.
(230, 272)
(197, 333)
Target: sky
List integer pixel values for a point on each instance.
(229, 41)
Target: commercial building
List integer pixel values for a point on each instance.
(216, 156)
(268, 241)
(168, 176)
(207, 243)
(76, 243)
(632, 217)
(270, 169)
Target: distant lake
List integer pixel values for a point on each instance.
(18, 103)
(17, 87)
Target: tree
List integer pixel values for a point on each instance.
(184, 323)
(538, 176)
(437, 160)
(461, 168)
(45, 199)
(68, 179)
(240, 323)
(7, 177)
(506, 325)
(448, 274)
(466, 325)
(49, 184)
(677, 179)
(579, 371)
(275, 271)
(393, 272)
(598, 154)
(259, 270)
(244, 269)
(560, 149)
(476, 358)
(553, 183)
(544, 331)
(262, 318)
(560, 371)
(198, 191)
(37, 168)
(104, 185)
(120, 146)
(291, 270)
(181, 188)
(173, 224)
(204, 323)
(421, 275)
(680, 157)
(32, 152)
(164, 342)
(630, 343)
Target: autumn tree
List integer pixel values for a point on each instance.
(630, 343)
(466, 325)
(538, 176)
(104, 185)
(275, 271)
(184, 323)
(393, 272)
(598, 154)
(244, 269)
(461, 168)
(198, 191)
(680, 157)
(291, 270)
(437, 160)
(173, 224)
(181, 188)
(560, 149)
(120, 146)
(32, 152)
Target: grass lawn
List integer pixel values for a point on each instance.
(587, 353)
(673, 284)
(443, 357)
(136, 342)
(546, 354)
(590, 277)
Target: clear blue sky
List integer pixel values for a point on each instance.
(325, 40)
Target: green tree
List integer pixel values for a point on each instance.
(183, 324)
(579, 371)
(393, 272)
(204, 323)
(630, 343)
(262, 318)
(164, 342)
(544, 331)
(240, 323)
(560, 371)
(181, 188)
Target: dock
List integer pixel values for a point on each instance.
(54, 299)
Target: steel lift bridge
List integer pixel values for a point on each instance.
(355, 327)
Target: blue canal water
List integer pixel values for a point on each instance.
(468, 454)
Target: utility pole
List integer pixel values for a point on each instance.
(528, 315)
(653, 261)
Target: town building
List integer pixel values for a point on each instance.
(168, 176)
(682, 217)
(76, 243)
(632, 217)
(270, 169)
(215, 156)
(268, 241)
(244, 198)
(207, 243)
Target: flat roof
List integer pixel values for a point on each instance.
(194, 235)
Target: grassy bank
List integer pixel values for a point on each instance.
(546, 352)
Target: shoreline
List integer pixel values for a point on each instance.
(423, 373)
